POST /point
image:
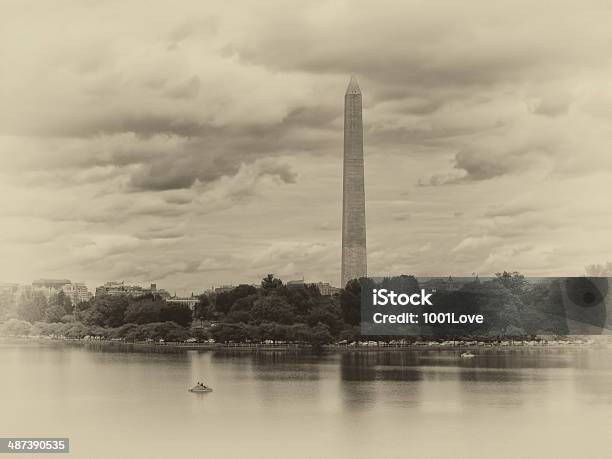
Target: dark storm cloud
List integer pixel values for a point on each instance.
(424, 46)
(420, 72)
(172, 153)
(178, 173)
(483, 164)
(159, 152)
(320, 117)
(206, 159)
(433, 58)
(480, 162)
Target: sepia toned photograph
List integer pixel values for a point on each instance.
(324, 229)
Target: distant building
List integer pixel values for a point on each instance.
(50, 284)
(80, 293)
(326, 289)
(121, 288)
(8, 288)
(295, 282)
(224, 288)
(190, 301)
(76, 291)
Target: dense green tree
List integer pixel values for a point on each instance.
(225, 300)
(401, 284)
(81, 308)
(273, 331)
(273, 308)
(350, 334)
(513, 281)
(8, 306)
(16, 327)
(320, 335)
(124, 330)
(350, 302)
(168, 331)
(225, 333)
(280, 313)
(236, 316)
(66, 302)
(327, 313)
(47, 329)
(499, 304)
(143, 311)
(106, 311)
(244, 304)
(203, 309)
(201, 335)
(54, 312)
(59, 306)
(544, 311)
(32, 306)
(303, 298)
(180, 314)
(270, 282)
(75, 330)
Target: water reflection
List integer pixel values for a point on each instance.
(592, 376)
(383, 366)
(443, 381)
(280, 403)
(275, 364)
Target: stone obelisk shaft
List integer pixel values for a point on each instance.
(354, 264)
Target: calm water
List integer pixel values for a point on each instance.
(510, 403)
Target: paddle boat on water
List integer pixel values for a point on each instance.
(467, 355)
(200, 388)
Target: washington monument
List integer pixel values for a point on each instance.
(354, 264)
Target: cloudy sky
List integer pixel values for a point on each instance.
(197, 143)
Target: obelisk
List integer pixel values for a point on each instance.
(354, 264)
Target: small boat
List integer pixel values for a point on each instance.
(200, 388)
(467, 355)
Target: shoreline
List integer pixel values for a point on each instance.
(255, 347)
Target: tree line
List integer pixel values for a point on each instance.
(277, 312)
(272, 311)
